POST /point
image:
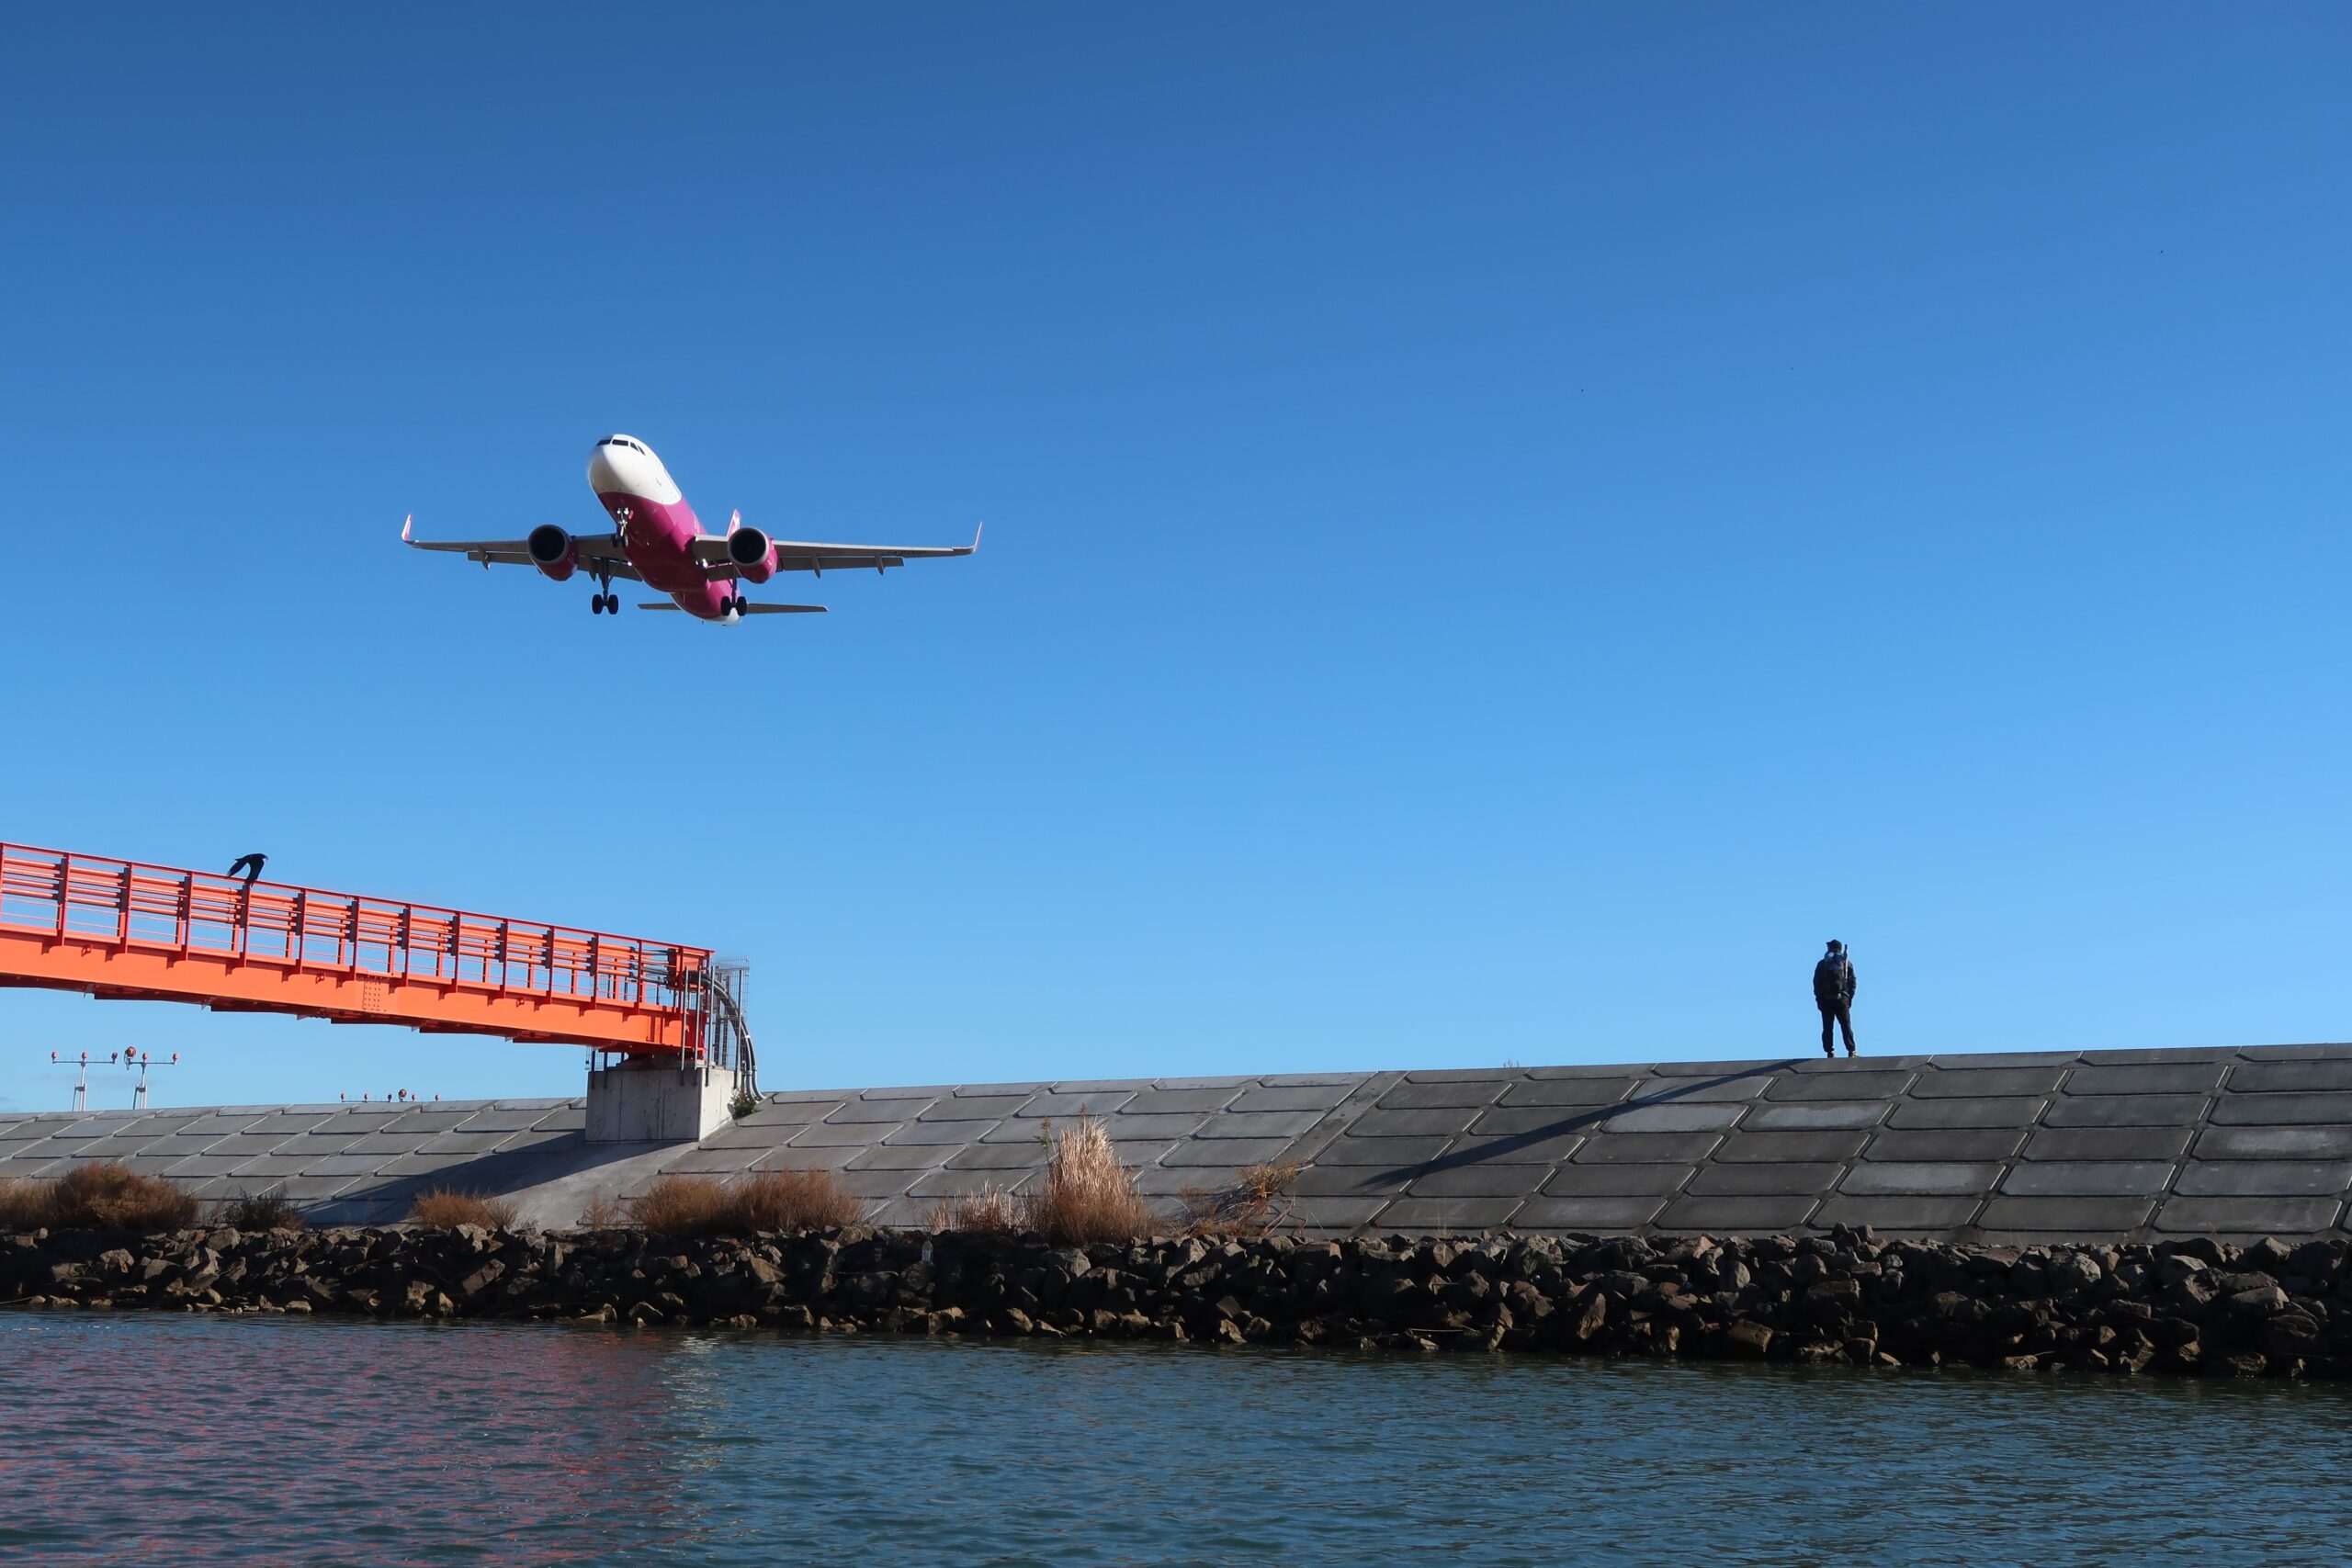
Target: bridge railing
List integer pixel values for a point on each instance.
(164, 908)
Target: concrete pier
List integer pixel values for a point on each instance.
(2233, 1142)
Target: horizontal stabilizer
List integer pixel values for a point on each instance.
(783, 609)
(664, 606)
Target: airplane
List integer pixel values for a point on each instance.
(657, 541)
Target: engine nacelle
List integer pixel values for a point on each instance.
(753, 554)
(552, 552)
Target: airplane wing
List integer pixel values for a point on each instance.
(802, 555)
(758, 609)
(597, 552)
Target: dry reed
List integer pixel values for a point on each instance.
(991, 1209)
(761, 1201)
(1253, 1204)
(444, 1208)
(1087, 1195)
(266, 1210)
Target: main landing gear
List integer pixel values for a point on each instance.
(604, 600)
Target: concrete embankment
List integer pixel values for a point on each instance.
(2234, 1144)
(2190, 1306)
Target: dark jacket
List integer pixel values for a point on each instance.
(1833, 980)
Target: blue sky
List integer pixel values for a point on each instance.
(1507, 527)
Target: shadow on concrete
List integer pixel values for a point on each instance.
(1496, 1150)
(561, 1162)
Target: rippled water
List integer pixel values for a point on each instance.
(129, 1438)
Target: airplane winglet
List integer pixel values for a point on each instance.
(406, 524)
(976, 535)
(735, 520)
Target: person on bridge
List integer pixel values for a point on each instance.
(1833, 993)
(250, 864)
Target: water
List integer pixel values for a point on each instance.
(161, 1439)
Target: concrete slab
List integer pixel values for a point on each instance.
(1955, 1083)
(1580, 1091)
(1443, 1216)
(1670, 1119)
(2086, 1218)
(825, 1134)
(1255, 1124)
(1774, 1148)
(1419, 1096)
(1095, 1102)
(1746, 1216)
(1124, 1129)
(2265, 1179)
(2268, 1217)
(2088, 1179)
(1930, 1217)
(906, 1157)
(1336, 1181)
(1587, 1213)
(2004, 1111)
(1472, 1181)
(1237, 1151)
(2128, 1111)
(1544, 1121)
(1294, 1096)
(1796, 1118)
(956, 1108)
(2109, 1143)
(2274, 1143)
(2179, 1078)
(858, 1112)
(712, 1162)
(2234, 1109)
(1935, 1144)
(963, 1183)
(833, 1156)
(999, 1157)
(2291, 1078)
(955, 1135)
(1184, 1102)
(1698, 1091)
(1777, 1180)
(1523, 1148)
(1920, 1178)
(1675, 1149)
(1618, 1180)
(1387, 1152)
(1335, 1213)
(1861, 1083)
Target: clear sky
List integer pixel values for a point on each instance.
(1507, 526)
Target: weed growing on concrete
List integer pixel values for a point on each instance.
(267, 1210)
(446, 1207)
(1253, 1204)
(603, 1214)
(679, 1205)
(1087, 1195)
(104, 1195)
(990, 1209)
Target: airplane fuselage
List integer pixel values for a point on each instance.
(657, 527)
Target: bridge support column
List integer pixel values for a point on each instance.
(657, 1102)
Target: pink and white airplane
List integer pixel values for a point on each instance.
(657, 541)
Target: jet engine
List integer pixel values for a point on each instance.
(552, 552)
(753, 554)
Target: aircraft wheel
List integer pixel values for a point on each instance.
(595, 603)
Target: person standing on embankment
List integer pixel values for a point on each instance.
(1833, 993)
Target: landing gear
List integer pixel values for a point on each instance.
(604, 601)
(739, 604)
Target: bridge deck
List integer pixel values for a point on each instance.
(119, 930)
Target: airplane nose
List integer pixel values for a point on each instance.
(603, 477)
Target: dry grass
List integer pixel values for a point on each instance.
(24, 1205)
(445, 1207)
(603, 1214)
(1254, 1204)
(101, 1195)
(761, 1201)
(1087, 1195)
(266, 1210)
(990, 1209)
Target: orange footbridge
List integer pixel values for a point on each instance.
(119, 930)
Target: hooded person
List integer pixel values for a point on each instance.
(1833, 993)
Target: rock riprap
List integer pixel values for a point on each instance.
(2195, 1307)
